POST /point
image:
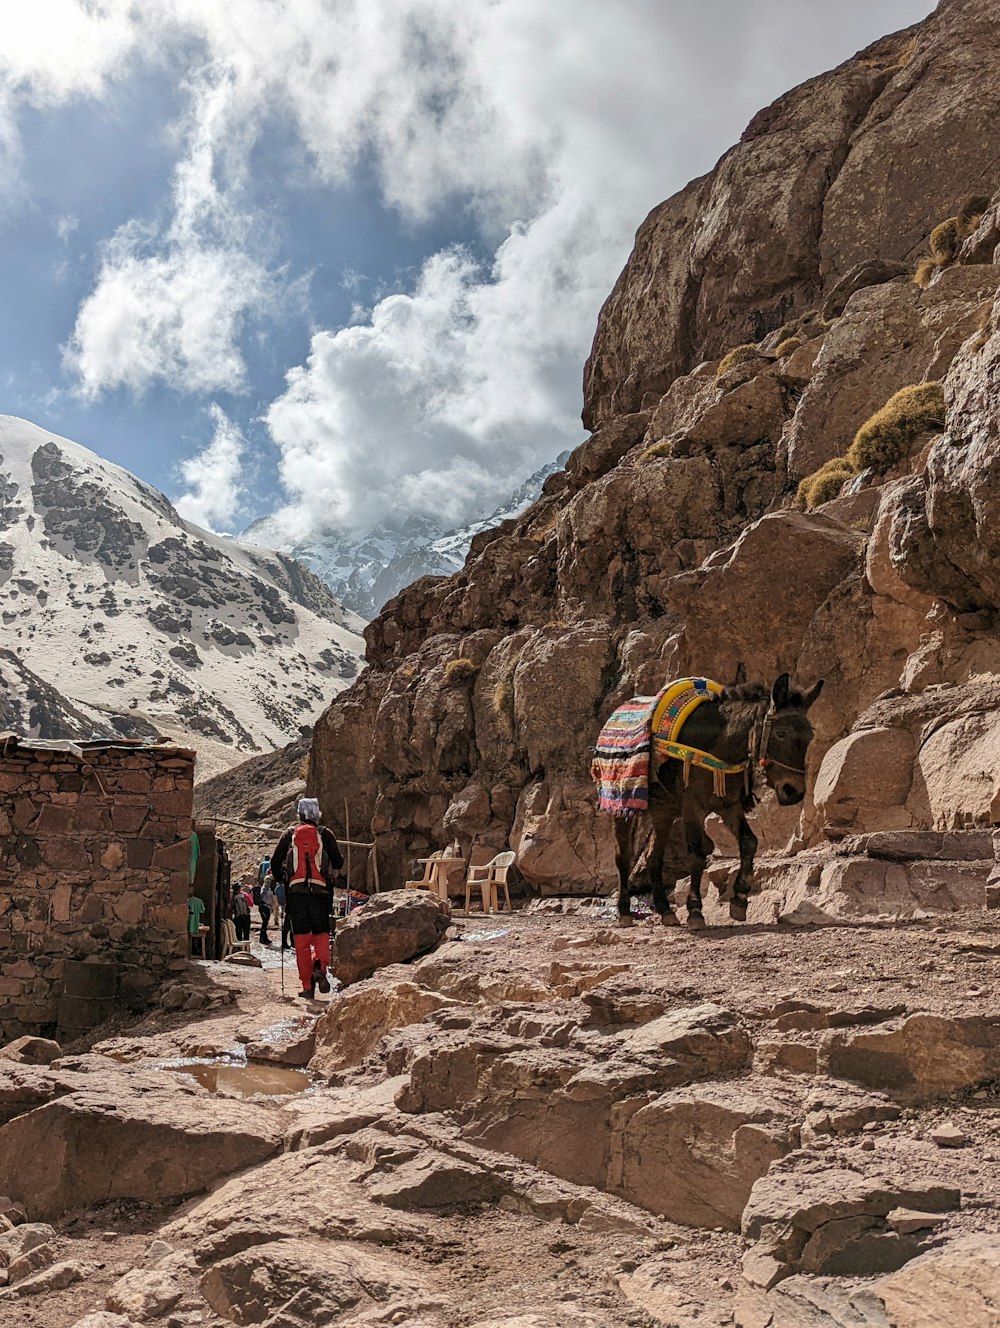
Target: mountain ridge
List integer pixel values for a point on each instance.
(121, 617)
(365, 571)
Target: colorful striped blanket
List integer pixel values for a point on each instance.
(621, 758)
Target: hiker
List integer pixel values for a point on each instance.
(241, 914)
(281, 895)
(264, 897)
(305, 860)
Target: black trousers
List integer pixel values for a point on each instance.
(309, 913)
(265, 918)
(242, 925)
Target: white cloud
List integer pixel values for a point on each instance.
(215, 488)
(554, 124)
(171, 308)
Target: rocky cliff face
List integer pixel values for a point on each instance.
(674, 543)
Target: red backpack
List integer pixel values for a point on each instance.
(306, 859)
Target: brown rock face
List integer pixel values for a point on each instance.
(926, 1057)
(800, 202)
(673, 545)
(959, 1284)
(391, 928)
(90, 1146)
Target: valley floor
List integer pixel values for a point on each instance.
(549, 1121)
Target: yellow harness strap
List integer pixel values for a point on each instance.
(674, 706)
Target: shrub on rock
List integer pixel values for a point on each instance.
(888, 437)
(825, 484)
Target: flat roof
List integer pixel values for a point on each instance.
(81, 746)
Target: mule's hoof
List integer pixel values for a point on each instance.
(626, 920)
(696, 921)
(737, 911)
(670, 920)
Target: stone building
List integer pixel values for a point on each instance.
(95, 869)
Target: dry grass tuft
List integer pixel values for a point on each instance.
(738, 355)
(502, 696)
(664, 448)
(825, 484)
(924, 271)
(947, 238)
(788, 346)
(460, 670)
(888, 437)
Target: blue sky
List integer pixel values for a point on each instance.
(347, 255)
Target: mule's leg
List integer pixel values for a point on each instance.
(747, 840)
(699, 847)
(663, 813)
(744, 877)
(623, 861)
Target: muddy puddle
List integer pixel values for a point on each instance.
(243, 1080)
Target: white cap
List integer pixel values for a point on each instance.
(309, 810)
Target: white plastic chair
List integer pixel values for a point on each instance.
(229, 941)
(488, 877)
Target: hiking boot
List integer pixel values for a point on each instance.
(309, 994)
(320, 978)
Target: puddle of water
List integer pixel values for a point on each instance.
(244, 1080)
(484, 935)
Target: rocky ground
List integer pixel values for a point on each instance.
(547, 1120)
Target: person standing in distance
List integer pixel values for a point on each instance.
(308, 859)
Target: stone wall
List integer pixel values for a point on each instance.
(94, 866)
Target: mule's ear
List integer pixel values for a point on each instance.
(741, 674)
(811, 695)
(781, 691)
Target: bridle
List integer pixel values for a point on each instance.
(759, 742)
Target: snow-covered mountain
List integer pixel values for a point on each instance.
(366, 571)
(120, 617)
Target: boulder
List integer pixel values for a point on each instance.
(652, 1287)
(150, 1293)
(92, 1145)
(428, 1179)
(310, 1281)
(694, 1154)
(55, 1277)
(809, 1218)
(353, 1026)
(24, 1087)
(864, 782)
(924, 1057)
(31, 1051)
(958, 1284)
(291, 1042)
(957, 774)
(810, 1302)
(392, 927)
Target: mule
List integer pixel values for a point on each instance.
(768, 728)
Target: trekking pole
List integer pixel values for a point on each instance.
(347, 829)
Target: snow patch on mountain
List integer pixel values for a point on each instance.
(120, 617)
(365, 572)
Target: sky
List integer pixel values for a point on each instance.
(329, 261)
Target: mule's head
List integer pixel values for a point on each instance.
(788, 739)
